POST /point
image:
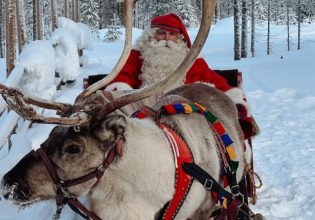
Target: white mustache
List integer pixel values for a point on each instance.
(164, 43)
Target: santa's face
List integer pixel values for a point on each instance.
(161, 34)
(161, 53)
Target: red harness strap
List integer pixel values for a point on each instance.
(182, 155)
(183, 181)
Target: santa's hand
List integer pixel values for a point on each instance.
(238, 98)
(118, 86)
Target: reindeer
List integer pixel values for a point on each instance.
(125, 165)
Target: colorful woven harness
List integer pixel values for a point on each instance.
(224, 142)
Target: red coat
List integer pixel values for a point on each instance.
(199, 72)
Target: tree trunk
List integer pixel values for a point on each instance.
(39, 20)
(20, 21)
(66, 8)
(237, 46)
(244, 29)
(288, 24)
(252, 41)
(217, 12)
(54, 15)
(2, 30)
(269, 21)
(299, 24)
(10, 34)
(72, 9)
(34, 19)
(78, 11)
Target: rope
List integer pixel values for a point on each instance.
(252, 175)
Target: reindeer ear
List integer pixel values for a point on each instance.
(110, 128)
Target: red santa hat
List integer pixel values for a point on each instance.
(172, 23)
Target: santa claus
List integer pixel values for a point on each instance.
(158, 52)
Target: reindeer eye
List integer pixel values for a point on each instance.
(72, 149)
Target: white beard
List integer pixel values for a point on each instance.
(160, 59)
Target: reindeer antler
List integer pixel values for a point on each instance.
(70, 114)
(207, 15)
(22, 106)
(129, 5)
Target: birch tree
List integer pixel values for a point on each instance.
(288, 23)
(66, 8)
(20, 21)
(244, 29)
(253, 33)
(299, 24)
(10, 11)
(54, 14)
(268, 26)
(2, 29)
(77, 13)
(237, 26)
(39, 20)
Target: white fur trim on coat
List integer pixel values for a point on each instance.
(118, 86)
(238, 97)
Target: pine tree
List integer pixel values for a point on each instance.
(89, 14)
(113, 32)
(186, 11)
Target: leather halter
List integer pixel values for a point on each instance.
(63, 196)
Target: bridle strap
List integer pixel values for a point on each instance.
(79, 208)
(63, 196)
(48, 164)
(98, 173)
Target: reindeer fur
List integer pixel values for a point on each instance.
(137, 185)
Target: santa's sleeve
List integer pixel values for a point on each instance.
(128, 77)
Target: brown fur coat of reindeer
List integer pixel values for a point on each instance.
(137, 185)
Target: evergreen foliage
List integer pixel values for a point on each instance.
(89, 14)
(113, 32)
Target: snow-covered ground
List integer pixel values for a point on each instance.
(281, 94)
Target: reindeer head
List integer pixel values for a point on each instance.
(72, 153)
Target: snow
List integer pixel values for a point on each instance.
(84, 38)
(39, 64)
(281, 94)
(66, 49)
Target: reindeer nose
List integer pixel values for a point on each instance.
(14, 188)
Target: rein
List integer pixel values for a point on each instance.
(63, 196)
